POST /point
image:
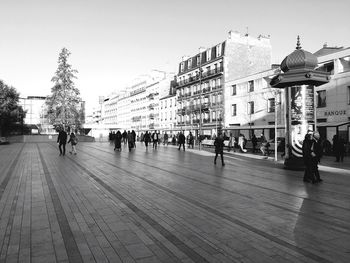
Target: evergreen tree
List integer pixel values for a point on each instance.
(64, 104)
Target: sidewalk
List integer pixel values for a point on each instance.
(326, 161)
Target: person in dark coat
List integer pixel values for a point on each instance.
(182, 140)
(134, 137)
(254, 142)
(147, 138)
(307, 158)
(131, 141)
(338, 148)
(118, 141)
(219, 148)
(62, 140)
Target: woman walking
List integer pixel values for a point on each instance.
(73, 140)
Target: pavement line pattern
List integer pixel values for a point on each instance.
(193, 255)
(211, 210)
(67, 234)
(229, 179)
(9, 172)
(16, 187)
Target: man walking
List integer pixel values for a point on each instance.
(219, 148)
(182, 140)
(62, 140)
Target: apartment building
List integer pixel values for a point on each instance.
(137, 106)
(201, 79)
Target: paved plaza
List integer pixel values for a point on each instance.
(167, 205)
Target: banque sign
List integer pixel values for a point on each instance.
(335, 112)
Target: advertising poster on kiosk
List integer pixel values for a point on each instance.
(302, 115)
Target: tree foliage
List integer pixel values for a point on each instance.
(64, 104)
(11, 112)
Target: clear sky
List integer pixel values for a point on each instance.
(114, 41)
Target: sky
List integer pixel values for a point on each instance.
(114, 41)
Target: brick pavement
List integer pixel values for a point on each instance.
(166, 205)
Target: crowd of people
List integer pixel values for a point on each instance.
(149, 138)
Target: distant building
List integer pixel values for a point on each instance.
(34, 107)
(201, 79)
(137, 106)
(168, 112)
(333, 98)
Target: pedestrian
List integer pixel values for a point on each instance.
(231, 143)
(182, 140)
(254, 142)
(307, 158)
(190, 140)
(338, 148)
(62, 140)
(130, 138)
(166, 139)
(241, 143)
(125, 137)
(118, 141)
(316, 154)
(73, 140)
(134, 138)
(147, 139)
(155, 139)
(219, 148)
(264, 145)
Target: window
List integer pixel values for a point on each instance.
(271, 105)
(251, 107)
(181, 67)
(218, 50)
(321, 99)
(208, 54)
(165, 104)
(233, 90)
(198, 60)
(234, 109)
(190, 63)
(218, 83)
(251, 86)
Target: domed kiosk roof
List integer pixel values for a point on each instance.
(299, 68)
(299, 59)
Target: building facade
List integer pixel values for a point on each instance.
(333, 98)
(201, 79)
(137, 106)
(253, 107)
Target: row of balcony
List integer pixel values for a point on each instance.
(198, 107)
(204, 75)
(196, 121)
(204, 91)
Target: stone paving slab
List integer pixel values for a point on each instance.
(166, 205)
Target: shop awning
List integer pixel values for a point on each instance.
(333, 124)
